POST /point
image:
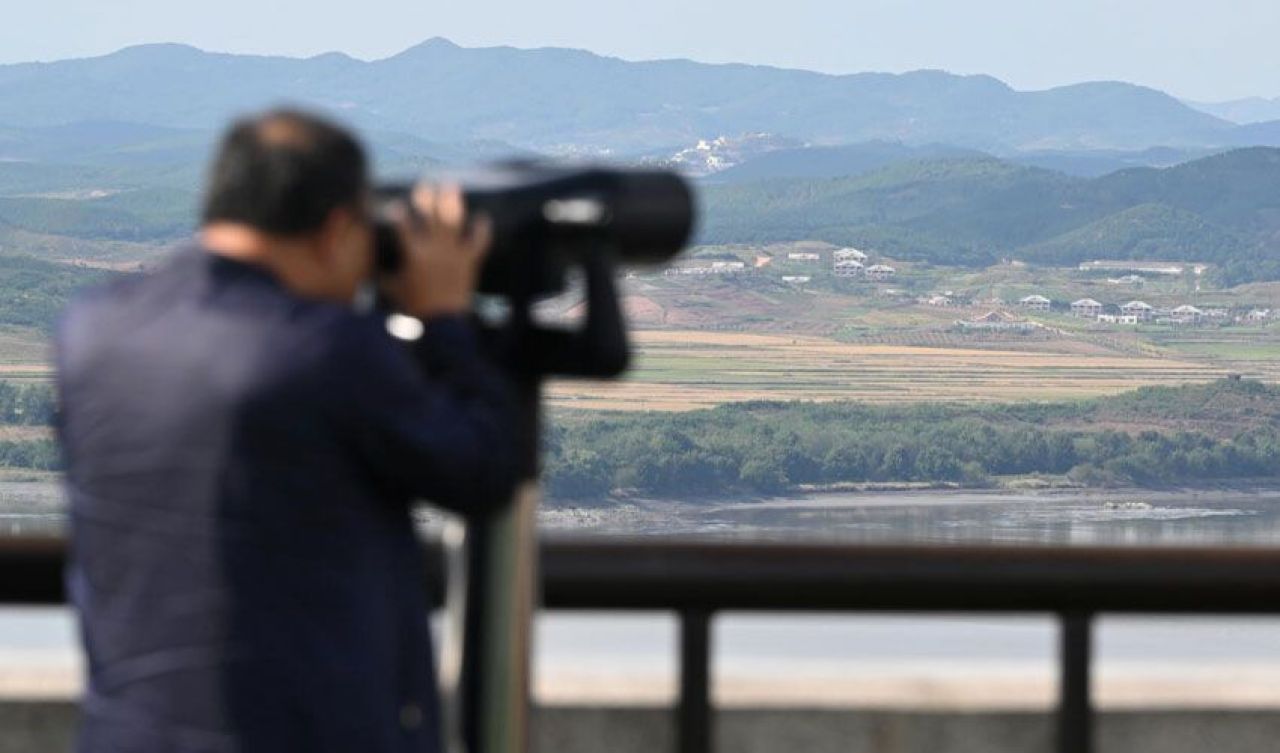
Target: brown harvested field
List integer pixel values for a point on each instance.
(25, 433)
(22, 347)
(683, 370)
(24, 355)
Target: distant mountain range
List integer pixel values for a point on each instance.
(557, 100)
(925, 165)
(1248, 110)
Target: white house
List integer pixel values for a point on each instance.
(997, 321)
(848, 254)
(805, 256)
(880, 272)
(796, 279)
(1187, 313)
(848, 268)
(1140, 309)
(1086, 308)
(1035, 303)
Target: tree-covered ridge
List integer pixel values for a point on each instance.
(956, 208)
(551, 97)
(147, 214)
(1225, 430)
(1223, 209)
(1221, 431)
(33, 292)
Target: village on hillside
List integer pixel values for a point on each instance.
(1180, 296)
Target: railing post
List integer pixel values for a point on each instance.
(1075, 709)
(693, 717)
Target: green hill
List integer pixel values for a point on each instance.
(34, 292)
(1223, 209)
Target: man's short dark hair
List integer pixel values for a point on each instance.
(283, 172)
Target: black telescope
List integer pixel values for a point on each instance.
(548, 218)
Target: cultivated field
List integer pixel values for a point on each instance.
(24, 354)
(683, 370)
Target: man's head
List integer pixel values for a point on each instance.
(289, 191)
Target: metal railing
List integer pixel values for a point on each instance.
(698, 580)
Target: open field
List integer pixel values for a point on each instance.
(24, 354)
(1255, 353)
(681, 370)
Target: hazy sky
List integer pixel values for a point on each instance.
(1191, 48)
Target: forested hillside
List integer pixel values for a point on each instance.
(954, 211)
(1223, 209)
(34, 292)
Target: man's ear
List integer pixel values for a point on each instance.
(332, 231)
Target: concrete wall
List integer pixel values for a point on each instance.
(574, 730)
(47, 726)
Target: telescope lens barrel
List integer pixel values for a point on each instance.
(652, 216)
(543, 215)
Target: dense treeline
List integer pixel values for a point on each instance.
(1220, 431)
(147, 214)
(32, 454)
(769, 447)
(27, 404)
(33, 292)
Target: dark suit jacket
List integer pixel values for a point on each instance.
(241, 463)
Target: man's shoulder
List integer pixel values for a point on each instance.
(199, 300)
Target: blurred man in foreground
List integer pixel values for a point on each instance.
(243, 446)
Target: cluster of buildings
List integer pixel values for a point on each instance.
(1132, 312)
(852, 263)
(714, 268)
(845, 262)
(1138, 312)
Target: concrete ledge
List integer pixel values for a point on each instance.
(48, 726)
(773, 730)
(38, 726)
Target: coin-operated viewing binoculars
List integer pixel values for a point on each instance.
(548, 221)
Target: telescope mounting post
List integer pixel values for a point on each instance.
(500, 550)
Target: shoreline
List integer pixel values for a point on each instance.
(922, 489)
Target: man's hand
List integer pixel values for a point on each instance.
(443, 250)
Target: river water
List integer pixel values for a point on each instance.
(880, 659)
(1134, 517)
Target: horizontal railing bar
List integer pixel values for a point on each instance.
(766, 577)
(610, 574)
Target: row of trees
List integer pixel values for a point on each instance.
(33, 292)
(35, 454)
(769, 447)
(27, 404)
